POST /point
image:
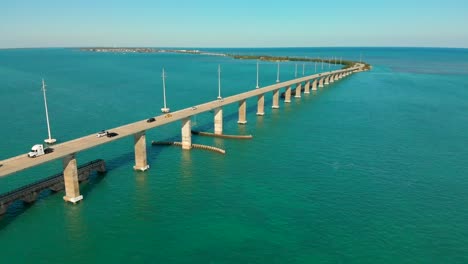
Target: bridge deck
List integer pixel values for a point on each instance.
(22, 162)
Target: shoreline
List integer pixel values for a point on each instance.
(345, 63)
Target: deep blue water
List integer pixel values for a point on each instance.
(370, 169)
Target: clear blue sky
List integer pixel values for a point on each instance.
(234, 23)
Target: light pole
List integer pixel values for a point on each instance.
(303, 68)
(219, 82)
(295, 72)
(165, 109)
(257, 76)
(278, 72)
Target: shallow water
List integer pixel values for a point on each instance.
(371, 169)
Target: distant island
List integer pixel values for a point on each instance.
(345, 63)
(150, 50)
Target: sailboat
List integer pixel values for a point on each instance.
(164, 109)
(49, 140)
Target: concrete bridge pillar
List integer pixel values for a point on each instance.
(141, 162)
(331, 78)
(186, 133)
(321, 82)
(287, 95)
(327, 80)
(340, 75)
(275, 99)
(3, 208)
(307, 87)
(261, 105)
(218, 121)
(336, 77)
(298, 90)
(70, 179)
(314, 85)
(242, 112)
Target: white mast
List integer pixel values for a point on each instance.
(277, 73)
(49, 140)
(257, 76)
(303, 68)
(295, 73)
(219, 82)
(165, 109)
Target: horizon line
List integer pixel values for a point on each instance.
(227, 47)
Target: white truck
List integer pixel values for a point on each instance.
(38, 150)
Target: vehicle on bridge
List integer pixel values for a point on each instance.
(38, 150)
(152, 119)
(112, 134)
(102, 133)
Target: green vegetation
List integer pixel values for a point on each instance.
(346, 63)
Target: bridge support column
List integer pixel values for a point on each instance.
(141, 162)
(307, 87)
(327, 80)
(70, 179)
(336, 77)
(261, 105)
(218, 121)
(314, 85)
(3, 208)
(321, 83)
(298, 90)
(275, 99)
(331, 79)
(242, 112)
(287, 95)
(186, 133)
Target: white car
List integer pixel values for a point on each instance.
(102, 133)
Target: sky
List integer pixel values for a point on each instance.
(234, 23)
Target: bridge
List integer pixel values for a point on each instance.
(67, 150)
(29, 193)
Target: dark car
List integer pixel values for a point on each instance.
(111, 134)
(152, 119)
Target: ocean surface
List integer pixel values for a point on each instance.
(371, 169)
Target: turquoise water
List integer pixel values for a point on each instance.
(371, 169)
